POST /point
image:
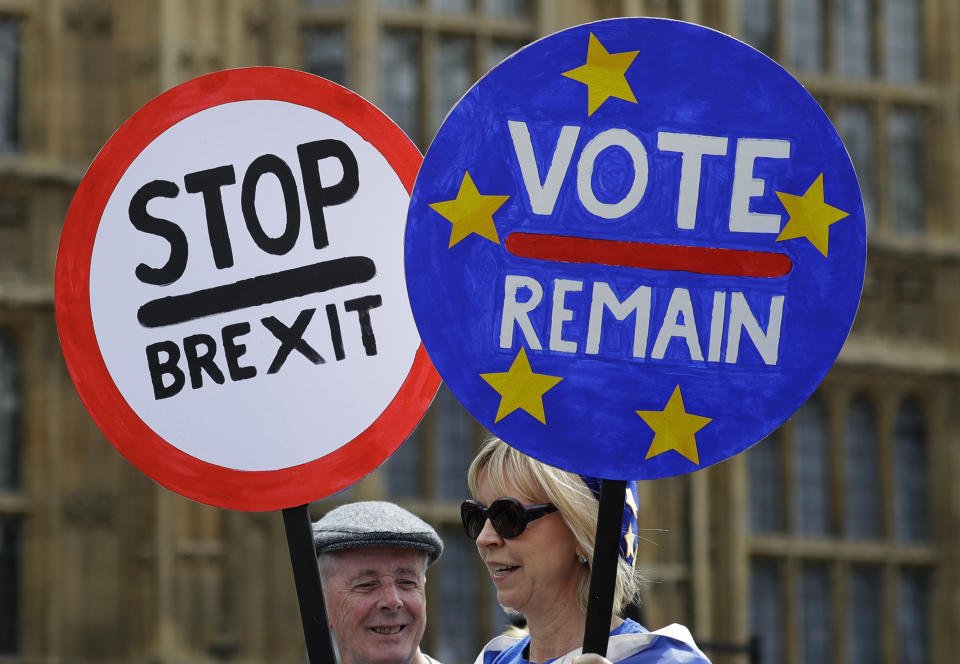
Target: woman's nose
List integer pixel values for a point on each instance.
(488, 536)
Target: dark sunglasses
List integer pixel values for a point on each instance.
(508, 516)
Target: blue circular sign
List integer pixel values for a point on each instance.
(635, 248)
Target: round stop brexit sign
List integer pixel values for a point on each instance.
(230, 289)
(635, 248)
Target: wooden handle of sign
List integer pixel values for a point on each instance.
(606, 550)
(306, 576)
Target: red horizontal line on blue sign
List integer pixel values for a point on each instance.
(649, 256)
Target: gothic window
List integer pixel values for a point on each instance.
(9, 586)
(811, 583)
(862, 504)
(510, 8)
(766, 481)
(758, 22)
(400, 85)
(863, 615)
(903, 53)
(816, 621)
(9, 84)
(906, 169)
(810, 458)
(455, 445)
(453, 73)
(325, 53)
(10, 483)
(856, 127)
(878, 43)
(914, 622)
(499, 50)
(911, 478)
(766, 608)
(9, 416)
(459, 598)
(806, 36)
(402, 471)
(853, 30)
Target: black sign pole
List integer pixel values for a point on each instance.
(604, 573)
(306, 576)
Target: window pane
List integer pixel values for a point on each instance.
(459, 599)
(324, 53)
(862, 513)
(499, 50)
(811, 484)
(510, 8)
(400, 80)
(910, 475)
(452, 6)
(856, 127)
(815, 615)
(854, 45)
(757, 24)
(863, 616)
(454, 446)
(9, 587)
(9, 416)
(9, 84)
(806, 36)
(903, 40)
(914, 618)
(906, 169)
(402, 469)
(766, 506)
(453, 73)
(766, 609)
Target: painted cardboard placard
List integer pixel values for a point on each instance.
(230, 289)
(635, 248)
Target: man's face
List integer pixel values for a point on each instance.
(376, 604)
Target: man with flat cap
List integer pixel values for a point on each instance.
(373, 559)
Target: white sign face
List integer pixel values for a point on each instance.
(243, 294)
(304, 396)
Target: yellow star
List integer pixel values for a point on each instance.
(470, 212)
(604, 75)
(674, 428)
(630, 539)
(810, 217)
(520, 388)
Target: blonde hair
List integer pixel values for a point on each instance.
(503, 465)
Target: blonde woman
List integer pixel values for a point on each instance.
(534, 527)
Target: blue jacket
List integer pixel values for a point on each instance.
(629, 643)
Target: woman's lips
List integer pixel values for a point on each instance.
(500, 571)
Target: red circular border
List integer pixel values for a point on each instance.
(174, 469)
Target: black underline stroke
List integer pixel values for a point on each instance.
(264, 289)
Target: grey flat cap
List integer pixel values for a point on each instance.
(375, 523)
